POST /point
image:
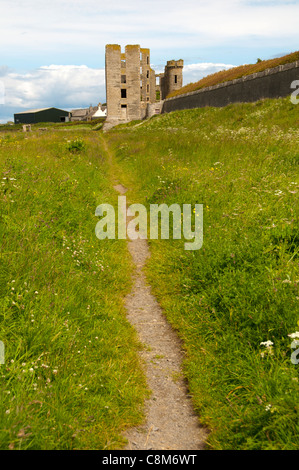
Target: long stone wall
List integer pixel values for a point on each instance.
(271, 83)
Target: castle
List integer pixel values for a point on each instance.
(133, 89)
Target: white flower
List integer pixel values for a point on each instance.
(267, 344)
(294, 335)
(7, 412)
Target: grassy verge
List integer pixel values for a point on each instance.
(241, 288)
(71, 378)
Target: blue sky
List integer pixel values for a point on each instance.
(53, 53)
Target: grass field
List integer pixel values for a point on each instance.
(71, 378)
(241, 289)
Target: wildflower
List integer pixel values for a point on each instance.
(7, 412)
(294, 335)
(267, 344)
(269, 349)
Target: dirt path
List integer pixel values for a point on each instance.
(170, 420)
(171, 423)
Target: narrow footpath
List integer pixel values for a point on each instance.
(171, 423)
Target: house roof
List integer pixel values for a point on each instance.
(79, 112)
(100, 113)
(29, 111)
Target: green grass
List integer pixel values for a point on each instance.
(71, 378)
(241, 288)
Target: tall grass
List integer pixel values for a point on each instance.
(71, 378)
(241, 289)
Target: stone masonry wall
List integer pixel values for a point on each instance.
(113, 73)
(133, 82)
(272, 83)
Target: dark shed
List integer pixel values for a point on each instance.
(41, 115)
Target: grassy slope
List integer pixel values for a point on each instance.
(71, 378)
(236, 72)
(241, 288)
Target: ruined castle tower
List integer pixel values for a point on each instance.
(131, 83)
(172, 78)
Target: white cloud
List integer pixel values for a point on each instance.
(60, 25)
(194, 72)
(54, 85)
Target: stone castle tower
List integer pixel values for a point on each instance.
(172, 78)
(131, 83)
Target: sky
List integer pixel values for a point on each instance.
(52, 52)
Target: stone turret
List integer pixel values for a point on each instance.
(172, 79)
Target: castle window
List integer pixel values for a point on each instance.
(175, 79)
(147, 59)
(123, 79)
(147, 74)
(123, 93)
(147, 88)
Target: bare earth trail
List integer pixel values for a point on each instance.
(171, 423)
